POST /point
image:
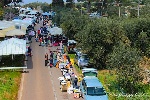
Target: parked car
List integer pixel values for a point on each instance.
(77, 51)
(82, 60)
(89, 72)
(92, 89)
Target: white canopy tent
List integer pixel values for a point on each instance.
(55, 31)
(16, 41)
(15, 32)
(13, 46)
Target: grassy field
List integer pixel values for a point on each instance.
(9, 84)
(108, 78)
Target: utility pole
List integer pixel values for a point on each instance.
(11, 4)
(119, 12)
(119, 4)
(138, 8)
(81, 9)
(81, 6)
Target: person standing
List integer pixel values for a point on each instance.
(46, 59)
(61, 47)
(51, 62)
(40, 41)
(75, 82)
(54, 58)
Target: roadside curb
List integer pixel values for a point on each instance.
(20, 87)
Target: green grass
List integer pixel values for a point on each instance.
(72, 56)
(108, 80)
(9, 84)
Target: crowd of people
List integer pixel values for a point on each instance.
(56, 58)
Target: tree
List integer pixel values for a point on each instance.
(70, 3)
(138, 32)
(97, 39)
(1, 13)
(125, 60)
(6, 2)
(44, 6)
(58, 3)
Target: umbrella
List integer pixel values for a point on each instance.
(15, 32)
(55, 31)
(46, 14)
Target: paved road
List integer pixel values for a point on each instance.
(41, 83)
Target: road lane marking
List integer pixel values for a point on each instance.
(21, 87)
(54, 91)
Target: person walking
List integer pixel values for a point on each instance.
(51, 62)
(46, 59)
(75, 82)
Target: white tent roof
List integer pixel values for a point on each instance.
(15, 32)
(12, 48)
(13, 41)
(32, 12)
(16, 41)
(55, 31)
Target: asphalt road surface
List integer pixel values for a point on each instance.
(40, 82)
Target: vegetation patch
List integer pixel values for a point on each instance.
(9, 84)
(72, 56)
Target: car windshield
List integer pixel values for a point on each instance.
(95, 91)
(90, 74)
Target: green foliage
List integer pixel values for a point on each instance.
(126, 60)
(58, 3)
(1, 13)
(145, 11)
(97, 39)
(138, 32)
(72, 56)
(44, 6)
(118, 43)
(70, 3)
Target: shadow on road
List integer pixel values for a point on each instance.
(29, 63)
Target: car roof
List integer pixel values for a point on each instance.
(92, 81)
(89, 69)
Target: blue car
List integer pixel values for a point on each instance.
(92, 89)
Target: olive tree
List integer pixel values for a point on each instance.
(125, 60)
